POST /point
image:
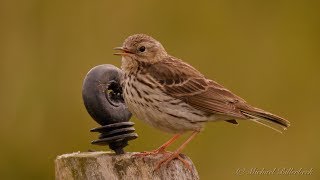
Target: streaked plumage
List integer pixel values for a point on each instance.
(172, 96)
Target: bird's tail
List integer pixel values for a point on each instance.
(265, 118)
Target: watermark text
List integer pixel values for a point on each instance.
(273, 171)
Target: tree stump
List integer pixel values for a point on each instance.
(106, 165)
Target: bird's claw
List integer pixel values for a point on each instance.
(154, 152)
(172, 156)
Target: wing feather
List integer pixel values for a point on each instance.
(182, 81)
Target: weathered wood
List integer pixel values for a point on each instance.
(106, 165)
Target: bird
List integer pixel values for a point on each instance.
(172, 96)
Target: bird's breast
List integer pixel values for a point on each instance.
(146, 100)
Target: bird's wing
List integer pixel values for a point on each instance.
(182, 81)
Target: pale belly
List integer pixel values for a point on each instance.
(161, 111)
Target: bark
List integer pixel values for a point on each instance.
(107, 165)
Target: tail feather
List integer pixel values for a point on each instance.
(259, 115)
(267, 125)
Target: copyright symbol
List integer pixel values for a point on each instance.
(240, 171)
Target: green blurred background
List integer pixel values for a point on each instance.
(265, 51)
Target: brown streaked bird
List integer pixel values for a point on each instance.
(173, 96)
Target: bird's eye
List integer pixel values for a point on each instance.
(142, 49)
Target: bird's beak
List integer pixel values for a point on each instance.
(123, 51)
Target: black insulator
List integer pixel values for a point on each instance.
(102, 96)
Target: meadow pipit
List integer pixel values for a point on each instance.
(174, 97)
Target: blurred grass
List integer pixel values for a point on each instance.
(265, 51)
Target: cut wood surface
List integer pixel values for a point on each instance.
(106, 165)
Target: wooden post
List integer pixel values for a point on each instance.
(107, 165)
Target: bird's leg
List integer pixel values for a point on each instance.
(168, 143)
(162, 148)
(176, 154)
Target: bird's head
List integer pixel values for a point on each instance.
(140, 48)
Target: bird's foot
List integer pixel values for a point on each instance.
(160, 150)
(171, 157)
